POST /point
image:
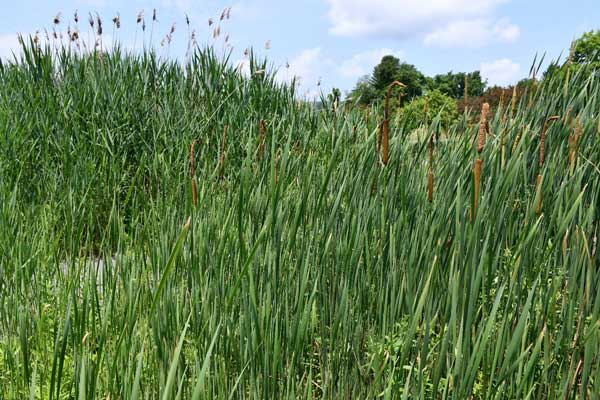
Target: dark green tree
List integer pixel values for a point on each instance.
(390, 69)
(586, 49)
(453, 85)
(363, 93)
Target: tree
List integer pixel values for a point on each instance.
(438, 103)
(390, 69)
(453, 84)
(586, 49)
(584, 53)
(363, 93)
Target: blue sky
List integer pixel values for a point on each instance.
(334, 42)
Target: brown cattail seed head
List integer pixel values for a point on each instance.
(140, 16)
(514, 101)
(483, 127)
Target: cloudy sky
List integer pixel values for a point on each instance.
(334, 42)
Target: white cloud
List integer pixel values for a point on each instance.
(447, 22)
(9, 43)
(473, 33)
(306, 67)
(362, 63)
(501, 72)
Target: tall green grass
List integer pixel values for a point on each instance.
(311, 272)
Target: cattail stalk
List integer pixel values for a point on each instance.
(466, 92)
(538, 181)
(222, 159)
(430, 177)
(514, 102)
(385, 142)
(483, 128)
(573, 141)
(568, 74)
(261, 139)
(532, 87)
(193, 172)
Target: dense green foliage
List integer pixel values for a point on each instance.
(310, 272)
(390, 69)
(438, 105)
(586, 49)
(453, 84)
(371, 89)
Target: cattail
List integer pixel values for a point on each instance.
(573, 141)
(504, 127)
(267, 45)
(91, 20)
(57, 19)
(483, 127)
(74, 35)
(386, 121)
(222, 160)
(517, 140)
(569, 62)
(378, 142)
(154, 15)
(140, 16)
(76, 17)
(430, 177)
(543, 139)
(210, 22)
(261, 138)
(477, 187)
(514, 102)
(187, 20)
(567, 117)
(172, 31)
(595, 242)
(193, 172)
(532, 88)
(117, 21)
(466, 91)
(538, 182)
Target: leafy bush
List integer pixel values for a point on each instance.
(413, 114)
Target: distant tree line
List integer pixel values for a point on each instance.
(445, 93)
